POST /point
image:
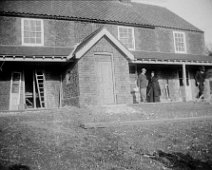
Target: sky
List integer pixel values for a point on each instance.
(197, 12)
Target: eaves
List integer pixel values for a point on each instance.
(71, 18)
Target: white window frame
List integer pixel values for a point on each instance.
(22, 32)
(184, 42)
(133, 36)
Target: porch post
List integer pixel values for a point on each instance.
(137, 93)
(34, 91)
(184, 82)
(61, 91)
(24, 91)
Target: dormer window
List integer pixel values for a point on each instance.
(179, 42)
(32, 32)
(126, 37)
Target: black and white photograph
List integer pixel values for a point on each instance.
(105, 85)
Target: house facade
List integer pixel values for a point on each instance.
(58, 53)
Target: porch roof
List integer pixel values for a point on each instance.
(23, 53)
(61, 54)
(171, 57)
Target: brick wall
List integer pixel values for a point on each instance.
(67, 33)
(52, 89)
(71, 85)
(4, 90)
(56, 33)
(87, 74)
(10, 31)
(145, 39)
(194, 41)
(169, 84)
(82, 30)
(165, 41)
(59, 33)
(113, 29)
(87, 79)
(122, 79)
(160, 39)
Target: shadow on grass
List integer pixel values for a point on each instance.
(180, 161)
(15, 167)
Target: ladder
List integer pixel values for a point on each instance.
(39, 77)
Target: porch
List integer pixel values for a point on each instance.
(30, 85)
(176, 79)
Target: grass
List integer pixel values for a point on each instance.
(54, 140)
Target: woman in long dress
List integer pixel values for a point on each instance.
(153, 89)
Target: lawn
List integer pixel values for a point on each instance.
(54, 139)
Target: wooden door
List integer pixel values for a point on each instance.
(15, 90)
(105, 79)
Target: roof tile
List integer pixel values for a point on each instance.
(130, 13)
(34, 51)
(140, 55)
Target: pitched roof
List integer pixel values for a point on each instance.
(93, 38)
(154, 56)
(41, 54)
(98, 11)
(162, 17)
(34, 51)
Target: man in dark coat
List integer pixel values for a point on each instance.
(200, 80)
(153, 89)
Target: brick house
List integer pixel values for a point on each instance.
(57, 53)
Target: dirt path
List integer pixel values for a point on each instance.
(137, 122)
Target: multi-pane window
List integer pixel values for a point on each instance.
(126, 37)
(32, 32)
(179, 42)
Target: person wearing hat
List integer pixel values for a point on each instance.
(153, 88)
(142, 84)
(200, 80)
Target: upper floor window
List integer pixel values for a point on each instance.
(179, 42)
(32, 32)
(126, 36)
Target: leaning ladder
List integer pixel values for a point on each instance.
(39, 77)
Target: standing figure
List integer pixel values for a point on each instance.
(153, 89)
(200, 79)
(142, 84)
